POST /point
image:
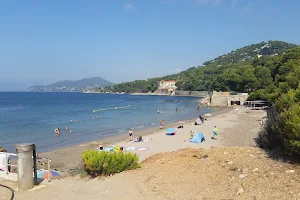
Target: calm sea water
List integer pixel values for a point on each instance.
(33, 117)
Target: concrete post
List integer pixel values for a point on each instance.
(25, 165)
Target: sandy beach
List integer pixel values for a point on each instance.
(172, 166)
(68, 158)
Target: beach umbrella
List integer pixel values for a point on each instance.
(170, 130)
(44, 174)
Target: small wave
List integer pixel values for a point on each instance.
(137, 127)
(11, 108)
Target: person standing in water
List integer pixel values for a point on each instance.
(57, 131)
(130, 133)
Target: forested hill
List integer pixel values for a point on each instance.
(270, 48)
(246, 69)
(67, 85)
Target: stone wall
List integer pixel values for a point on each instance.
(225, 100)
(191, 93)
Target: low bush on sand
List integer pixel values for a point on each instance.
(107, 163)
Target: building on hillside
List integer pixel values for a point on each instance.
(166, 87)
(227, 99)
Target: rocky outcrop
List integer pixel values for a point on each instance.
(205, 101)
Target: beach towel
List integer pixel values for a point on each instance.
(108, 149)
(130, 149)
(143, 140)
(198, 122)
(116, 149)
(198, 138)
(142, 148)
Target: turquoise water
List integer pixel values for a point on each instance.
(33, 117)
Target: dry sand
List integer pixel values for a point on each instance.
(195, 173)
(68, 158)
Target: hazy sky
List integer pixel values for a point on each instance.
(45, 41)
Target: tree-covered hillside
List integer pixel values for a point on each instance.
(283, 125)
(242, 70)
(270, 48)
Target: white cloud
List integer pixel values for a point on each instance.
(129, 6)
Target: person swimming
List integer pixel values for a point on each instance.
(57, 131)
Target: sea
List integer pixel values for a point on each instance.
(28, 117)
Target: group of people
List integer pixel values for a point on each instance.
(57, 130)
(180, 109)
(113, 148)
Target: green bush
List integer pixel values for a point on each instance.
(107, 163)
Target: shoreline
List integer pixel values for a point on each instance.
(147, 94)
(65, 163)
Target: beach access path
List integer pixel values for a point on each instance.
(234, 125)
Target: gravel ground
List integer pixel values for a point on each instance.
(221, 173)
(245, 128)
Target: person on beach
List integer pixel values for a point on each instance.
(162, 124)
(67, 128)
(215, 133)
(130, 133)
(100, 147)
(192, 133)
(70, 131)
(4, 160)
(201, 118)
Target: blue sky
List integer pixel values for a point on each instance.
(45, 41)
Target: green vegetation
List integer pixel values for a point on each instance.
(283, 126)
(107, 163)
(240, 71)
(269, 71)
(250, 52)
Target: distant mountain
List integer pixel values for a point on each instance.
(270, 48)
(70, 86)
